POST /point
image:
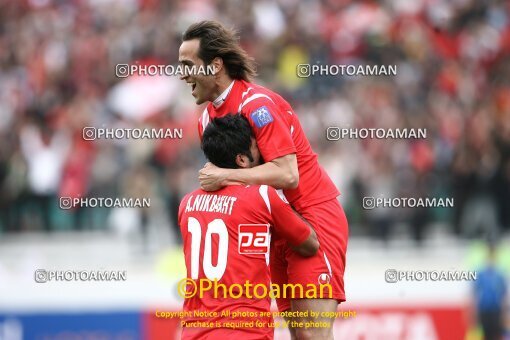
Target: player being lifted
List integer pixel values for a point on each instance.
(289, 163)
(220, 230)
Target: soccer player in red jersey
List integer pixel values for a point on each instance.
(226, 236)
(289, 163)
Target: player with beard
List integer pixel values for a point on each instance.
(226, 237)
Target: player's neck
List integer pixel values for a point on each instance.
(224, 88)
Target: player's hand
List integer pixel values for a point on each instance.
(211, 177)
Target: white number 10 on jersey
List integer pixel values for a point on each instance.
(218, 227)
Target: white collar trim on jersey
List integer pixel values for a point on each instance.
(222, 97)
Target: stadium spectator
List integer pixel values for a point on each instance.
(57, 67)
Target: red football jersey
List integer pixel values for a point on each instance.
(278, 133)
(226, 236)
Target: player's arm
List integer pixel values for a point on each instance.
(280, 173)
(291, 226)
(309, 247)
(276, 146)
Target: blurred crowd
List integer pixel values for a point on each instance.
(57, 75)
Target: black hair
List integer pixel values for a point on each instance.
(226, 137)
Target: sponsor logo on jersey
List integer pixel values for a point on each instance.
(253, 238)
(324, 278)
(261, 116)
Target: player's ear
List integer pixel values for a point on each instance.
(217, 63)
(242, 161)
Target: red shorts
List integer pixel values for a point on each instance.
(327, 266)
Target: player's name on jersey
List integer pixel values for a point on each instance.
(211, 203)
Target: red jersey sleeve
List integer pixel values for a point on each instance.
(271, 131)
(286, 222)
